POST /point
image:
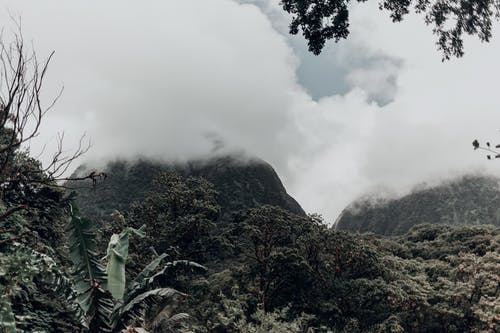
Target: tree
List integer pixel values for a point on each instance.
(179, 213)
(31, 201)
(274, 243)
(321, 20)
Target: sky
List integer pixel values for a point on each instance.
(178, 79)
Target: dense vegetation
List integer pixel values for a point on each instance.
(214, 246)
(469, 200)
(268, 267)
(267, 270)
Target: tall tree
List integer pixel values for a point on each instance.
(179, 214)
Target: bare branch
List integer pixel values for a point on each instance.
(22, 77)
(494, 152)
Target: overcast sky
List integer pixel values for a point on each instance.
(172, 78)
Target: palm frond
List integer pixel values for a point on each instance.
(82, 247)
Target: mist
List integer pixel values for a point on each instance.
(177, 80)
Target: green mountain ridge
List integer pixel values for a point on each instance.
(467, 200)
(240, 183)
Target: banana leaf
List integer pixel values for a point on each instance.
(117, 255)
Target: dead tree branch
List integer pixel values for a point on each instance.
(22, 77)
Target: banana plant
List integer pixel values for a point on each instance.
(107, 302)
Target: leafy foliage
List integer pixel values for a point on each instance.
(436, 278)
(321, 20)
(32, 287)
(33, 281)
(107, 302)
(181, 214)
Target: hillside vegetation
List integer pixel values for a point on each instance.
(240, 183)
(469, 200)
(183, 255)
(270, 266)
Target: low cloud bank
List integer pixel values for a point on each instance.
(177, 80)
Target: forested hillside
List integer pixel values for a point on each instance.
(269, 269)
(240, 183)
(262, 268)
(469, 200)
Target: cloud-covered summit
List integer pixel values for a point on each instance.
(176, 79)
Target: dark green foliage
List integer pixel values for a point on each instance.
(270, 240)
(471, 200)
(356, 283)
(33, 280)
(89, 275)
(181, 214)
(321, 20)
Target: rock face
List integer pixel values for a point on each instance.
(243, 184)
(470, 200)
(240, 183)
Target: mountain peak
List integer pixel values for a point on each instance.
(241, 183)
(467, 200)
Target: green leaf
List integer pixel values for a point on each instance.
(87, 266)
(117, 255)
(141, 280)
(128, 309)
(89, 275)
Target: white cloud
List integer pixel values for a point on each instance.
(169, 78)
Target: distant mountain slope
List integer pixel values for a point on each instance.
(470, 200)
(241, 184)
